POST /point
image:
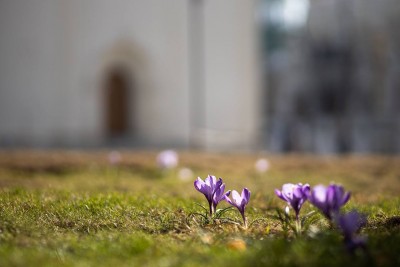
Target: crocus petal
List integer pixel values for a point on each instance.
(203, 188)
(287, 191)
(298, 192)
(346, 198)
(279, 194)
(306, 189)
(237, 199)
(218, 183)
(209, 181)
(320, 193)
(220, 195)
(229, 200)
(221, 187)
(198, 184)
(219, 191)
(245, 196)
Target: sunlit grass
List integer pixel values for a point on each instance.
(76, 209)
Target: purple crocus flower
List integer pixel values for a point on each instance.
(240, 202)
(295, 195)
(349, 224)
(328, 199)
(212, 189)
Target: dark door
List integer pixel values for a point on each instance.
(117, 91)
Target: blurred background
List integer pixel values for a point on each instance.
(318, 76)
(332, 75)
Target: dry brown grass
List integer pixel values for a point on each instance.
(368, 177)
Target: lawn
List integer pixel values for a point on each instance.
(74, 208)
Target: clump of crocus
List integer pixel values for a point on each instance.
(349, 224)
(295, 195)
(329, 199)
(213, 190)
(240, 202)
(167, 159)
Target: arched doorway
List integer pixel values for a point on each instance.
(117, 100)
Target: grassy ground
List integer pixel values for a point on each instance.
(75, 209)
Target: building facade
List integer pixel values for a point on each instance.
(129, 72)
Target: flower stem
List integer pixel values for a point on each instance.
(298, 225)
(244, 221)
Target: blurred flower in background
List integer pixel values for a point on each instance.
(167, 159)
(185, 174)
(262, 165)
(114, 157)
(350, 223)
(329, 199)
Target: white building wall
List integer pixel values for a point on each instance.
(30, 108)
(54, 55)
(231, 74)
(156, 32)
